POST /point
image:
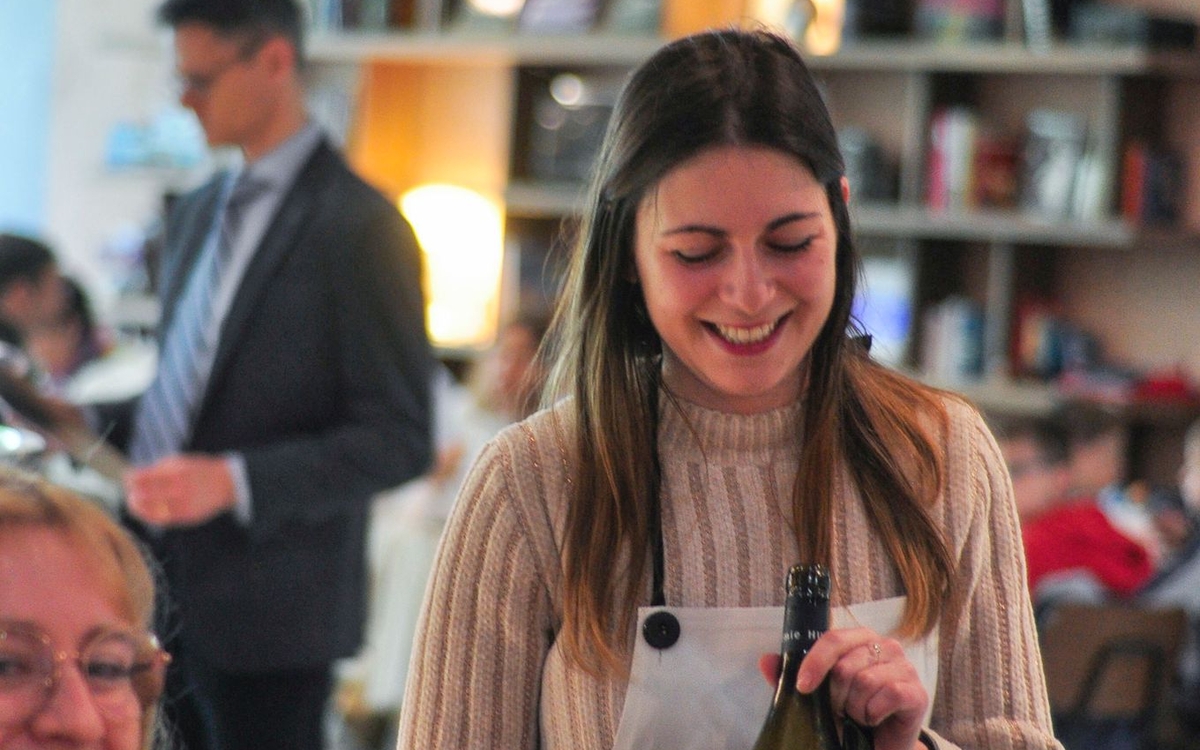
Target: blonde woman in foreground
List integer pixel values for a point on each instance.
(78, 665)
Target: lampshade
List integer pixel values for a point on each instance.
(462, 236)
(824, 33)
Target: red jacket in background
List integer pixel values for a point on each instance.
(1080, 537)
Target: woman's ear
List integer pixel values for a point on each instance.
(845, 183)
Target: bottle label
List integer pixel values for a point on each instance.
(803, 622)
(801, 637)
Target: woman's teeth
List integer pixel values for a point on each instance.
(745, 335)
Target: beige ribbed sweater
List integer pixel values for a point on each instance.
(487, 672)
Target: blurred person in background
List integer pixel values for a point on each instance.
(70, 340)
(31, 296)
(507, 382)
(502, 386)
(79, 667)
(1097, 446)
(1177, 584)
(1073, 550)
(1176, 508)
(1098, 457)
(31, 287)
(292, 386)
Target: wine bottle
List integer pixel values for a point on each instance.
(799, 721)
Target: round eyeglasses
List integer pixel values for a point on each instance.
(123, 670)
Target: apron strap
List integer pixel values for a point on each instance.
(658, 597)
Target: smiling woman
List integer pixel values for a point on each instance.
(78, 666)
(609, 577)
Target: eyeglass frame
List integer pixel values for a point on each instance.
(202, 85)
(150, 659)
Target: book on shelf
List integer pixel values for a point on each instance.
(950, 170)
(970, 163)
(359, 15)
(1054, 148)
(866, 19)
(996, 183)
(1106, 23)
(1152, 183)
(400, 13)
(1038, 24)
(871, 173)
(324, 15)
(1036, 342)
(634, 17)
(959, 20)
(374, 15)
(559, 16)
(952, 341)
(430, 15)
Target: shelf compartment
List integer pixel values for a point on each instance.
(514, 50)
(615, 49)
(537, 199)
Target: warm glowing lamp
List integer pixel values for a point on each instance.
(824, 33)
(502, 8)
(817, 24)
(462, 235)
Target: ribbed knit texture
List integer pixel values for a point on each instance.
(486, 670)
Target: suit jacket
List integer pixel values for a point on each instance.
(321, 381)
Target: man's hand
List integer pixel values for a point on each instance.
(183, 490)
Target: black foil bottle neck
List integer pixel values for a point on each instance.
(805, 618)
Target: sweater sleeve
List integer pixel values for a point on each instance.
(991, 688)
(485, 626)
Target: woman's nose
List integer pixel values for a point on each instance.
(70, 710)
(749, 285)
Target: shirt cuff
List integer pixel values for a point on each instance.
(243, 509)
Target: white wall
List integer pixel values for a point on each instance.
(112, 64)
(27, 38)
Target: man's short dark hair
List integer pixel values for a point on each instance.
(1085, 421)
(256, 20)
(1046, 432)
(22, 258)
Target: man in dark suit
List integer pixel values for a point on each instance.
(292, 385)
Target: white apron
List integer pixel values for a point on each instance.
(705, 692)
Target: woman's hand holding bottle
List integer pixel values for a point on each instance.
(870, 681)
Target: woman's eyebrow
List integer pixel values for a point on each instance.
(719, 232)
(692, 228)
(794, 216)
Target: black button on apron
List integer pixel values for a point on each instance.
(661, 630)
